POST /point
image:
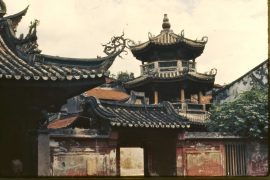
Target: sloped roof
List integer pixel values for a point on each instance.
(62, 123)
(20, 58)
(173, 76)
(107, 94)
(225, 87)
(124, 115)
(139, 116)
(179, 46)
(166, 38)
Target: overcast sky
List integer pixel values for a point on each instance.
(236, 29)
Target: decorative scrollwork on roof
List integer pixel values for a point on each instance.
(150, 36)
(182, 33)
(117, 45)
(205, 39)
(3, 8)
(212, 72)
(29, 44)
(33, 27)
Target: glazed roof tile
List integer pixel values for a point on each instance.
(20, 58)
(62, 123)
(169, 38)
(139, 116)
(12, 66)
(160, 116)
(179, 46)
(107, 94)
(176, 75)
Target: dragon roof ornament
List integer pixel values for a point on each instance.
(117, 45)
(3, 8)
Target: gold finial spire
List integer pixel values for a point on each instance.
(3, 8)
(166, 24)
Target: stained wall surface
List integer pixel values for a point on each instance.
(256, 77)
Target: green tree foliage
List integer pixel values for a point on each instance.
(246, 116)
(124, 76)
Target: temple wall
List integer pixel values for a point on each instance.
(83, 158)
(200, 158)
(43, 155)
(256, 77)
(191, 154)
(214, 154)
(257, 159)
(64, 155)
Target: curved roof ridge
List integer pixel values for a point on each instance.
(161, 115)
(178, 45)
(16, 18)
(59, 58)
(124, 104)
(21, 57)
(97, 107)
(90, 63)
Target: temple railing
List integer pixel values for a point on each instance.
(167, 66)
(193, 112)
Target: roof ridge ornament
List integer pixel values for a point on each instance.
(151, 36)
(182, 33)
(166, 24)
(117, 45)
(205, 39)
(29, 43)
(3, 8)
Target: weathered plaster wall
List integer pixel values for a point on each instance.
(43, 155)
(200, 158)
(257, 159)
(83, 157)
(256, 77)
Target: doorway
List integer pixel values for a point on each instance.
(132, 161)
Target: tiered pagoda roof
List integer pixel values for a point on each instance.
(168, 45)
(175, 50)
(166, 77)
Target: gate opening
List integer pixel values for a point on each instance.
(131, 162)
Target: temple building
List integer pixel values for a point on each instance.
(163, 122)
(32, 84)
(64, 117)
(169, 67)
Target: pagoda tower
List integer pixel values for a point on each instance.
(168, 70)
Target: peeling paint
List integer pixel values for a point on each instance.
(257, 160)
(204, 164)
(54, 143)
(196, 158)
(80, 157)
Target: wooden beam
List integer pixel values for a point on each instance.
(200, 94)
(155, 97)
(182, 95)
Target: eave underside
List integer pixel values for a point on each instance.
(43, 94)
(190, 83)
(152, 52)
